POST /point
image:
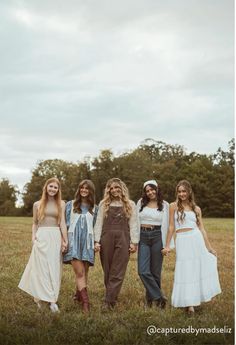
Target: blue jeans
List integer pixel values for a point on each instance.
(150, 263)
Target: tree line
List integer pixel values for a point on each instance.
(212, 176)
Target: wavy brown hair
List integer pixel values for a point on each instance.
(145, 200)
(90, 198)
(44, 199)
(191, 201)
(107, 199)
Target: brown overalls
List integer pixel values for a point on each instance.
(115, 241)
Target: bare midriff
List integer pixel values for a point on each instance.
(183, 230)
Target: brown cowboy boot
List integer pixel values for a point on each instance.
(85, 300)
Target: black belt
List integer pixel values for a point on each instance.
(151, 228)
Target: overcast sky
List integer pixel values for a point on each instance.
(81, 76)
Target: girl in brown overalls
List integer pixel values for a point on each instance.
(116, 234)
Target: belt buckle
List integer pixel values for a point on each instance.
(150, 228)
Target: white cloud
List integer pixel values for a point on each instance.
(37, 22)
(93, 75)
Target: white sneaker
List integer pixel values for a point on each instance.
(54, 308)
(38, 303)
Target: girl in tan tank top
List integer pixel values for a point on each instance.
(42, 276)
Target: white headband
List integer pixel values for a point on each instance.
(150, 182)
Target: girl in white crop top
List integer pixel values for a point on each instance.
(196, 277)
(153, 214)
(189, 221)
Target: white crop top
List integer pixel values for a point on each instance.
(189, 221)
(150, 216)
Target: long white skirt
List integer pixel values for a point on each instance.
(42, 276)
(196, 277)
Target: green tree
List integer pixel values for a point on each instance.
(69, 175)
(102, 170)
(212, 176)
(8, 197)
(225, 157)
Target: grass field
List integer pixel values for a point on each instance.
(22, 323)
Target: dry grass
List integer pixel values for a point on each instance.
(22, 323)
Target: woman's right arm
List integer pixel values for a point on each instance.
(98, 227)
(35, 221)
(171, 229)
(138, 206)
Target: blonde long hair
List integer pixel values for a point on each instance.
(191, 200)
(124, 196)
(44, 200)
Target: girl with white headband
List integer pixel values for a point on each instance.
(153, 214)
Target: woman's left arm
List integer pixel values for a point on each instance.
(134, 228)
(63, 228)
(204, 233)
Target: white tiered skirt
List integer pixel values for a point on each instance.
(196, 277)
(42, 276)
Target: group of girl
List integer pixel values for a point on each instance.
(116, 228)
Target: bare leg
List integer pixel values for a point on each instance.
(86, 264)
(80, 274)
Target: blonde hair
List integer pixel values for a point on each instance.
(190, 195)
(124, 196)
(44, 200)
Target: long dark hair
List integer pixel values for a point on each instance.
(145, 200)
(191, 200)
(90, 198)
